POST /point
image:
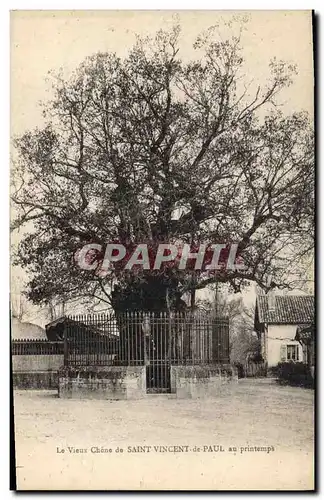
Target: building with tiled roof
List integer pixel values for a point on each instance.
(276, 321)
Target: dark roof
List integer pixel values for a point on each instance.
(289, 309)
(77, 328)
(55, 322)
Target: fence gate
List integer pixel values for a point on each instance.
(157, 334)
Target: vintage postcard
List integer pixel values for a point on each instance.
(162, 250)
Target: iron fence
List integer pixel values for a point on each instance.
(152, 339)
(34, 347)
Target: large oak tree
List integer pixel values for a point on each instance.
(151, 148)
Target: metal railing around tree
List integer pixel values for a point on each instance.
(138, 338)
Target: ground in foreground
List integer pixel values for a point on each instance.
(266, 432)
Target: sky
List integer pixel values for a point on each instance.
(42, 41)
(45, 40)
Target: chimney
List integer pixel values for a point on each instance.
(271, 297)
(271, 301)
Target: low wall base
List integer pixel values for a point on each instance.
(129, 382)
(109, 382)
(35, 380)
(201, 381)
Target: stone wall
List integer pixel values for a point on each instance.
(201, 381)
(108, 382)
(37, 362)
(39, 371)
(129, 382)
(116, 382)
(35, 380)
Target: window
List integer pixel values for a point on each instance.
(292, 352)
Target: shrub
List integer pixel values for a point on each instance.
(293, 374)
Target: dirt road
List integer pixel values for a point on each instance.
(257, 436)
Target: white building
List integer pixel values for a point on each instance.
(276, 321)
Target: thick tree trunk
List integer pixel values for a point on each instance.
(149, 295)
(152, 295)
